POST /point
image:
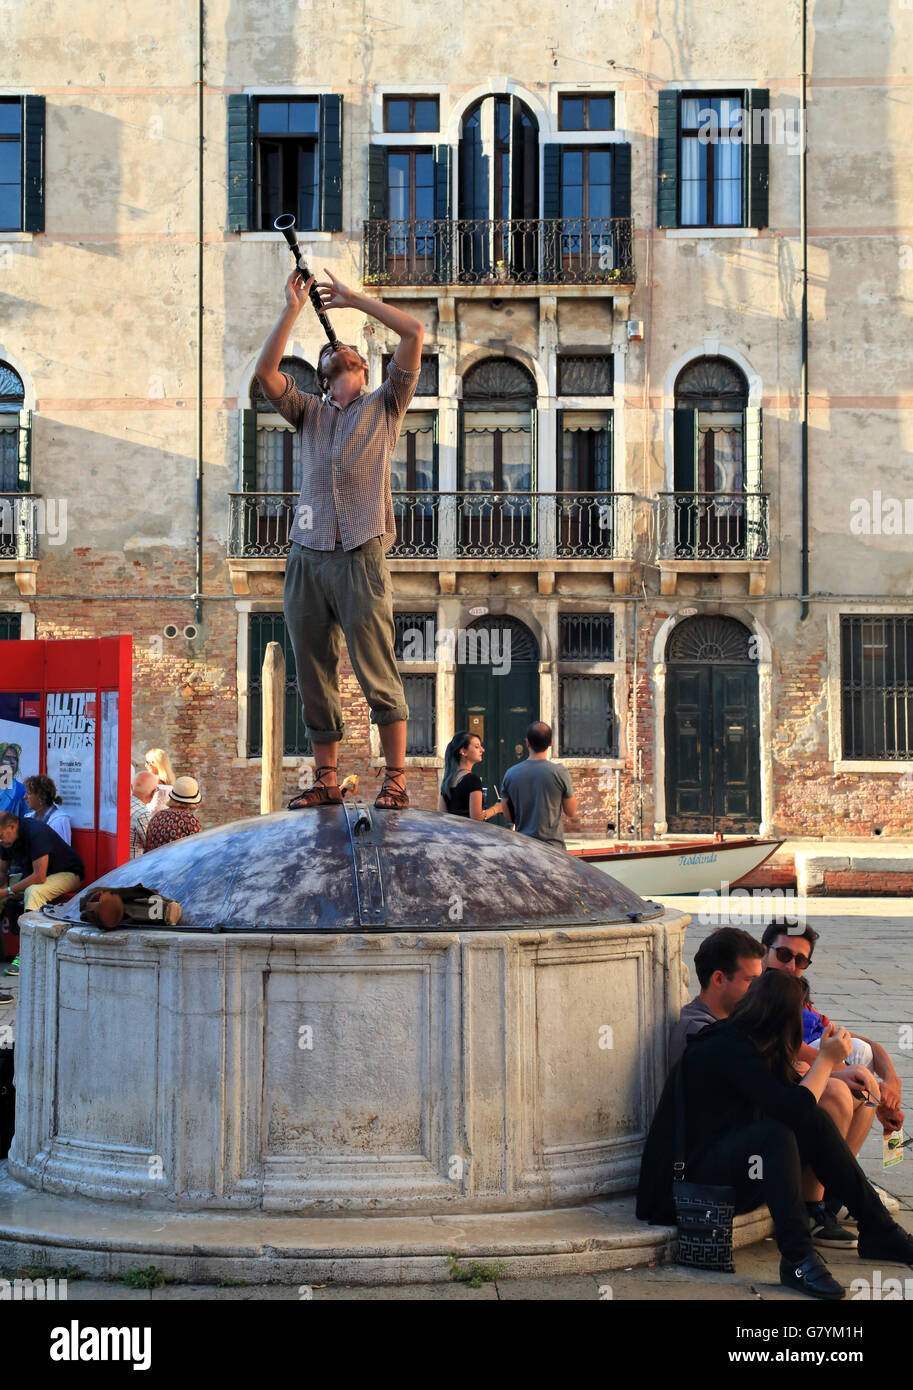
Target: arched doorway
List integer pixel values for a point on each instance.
(713, 764)
(497, 690)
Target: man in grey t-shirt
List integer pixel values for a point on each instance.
(726, 963)
(536, 793)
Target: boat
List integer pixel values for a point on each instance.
(681, 866)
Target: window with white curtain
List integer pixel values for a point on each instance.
(711, 161)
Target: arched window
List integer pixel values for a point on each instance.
(498, 190)
(717, 462)
(277, 466)
(497, 453)
(14, 431)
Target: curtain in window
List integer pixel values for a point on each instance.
(725, 441)
(586, 436)
(727, 182)
(694, 180)
(479, 430)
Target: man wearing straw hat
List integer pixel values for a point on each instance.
(176, 821)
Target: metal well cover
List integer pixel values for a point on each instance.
(352, 868)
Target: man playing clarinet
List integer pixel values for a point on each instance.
(337, 581)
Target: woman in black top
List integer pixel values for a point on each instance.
(752, 1125)
(461, 787)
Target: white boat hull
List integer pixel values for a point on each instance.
(710, 868)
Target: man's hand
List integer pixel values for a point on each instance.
(4, 894)
(859, 1079)
(890, 1092)
(334, 294)
(296, 290)
(836, 1045)
(891, 1118)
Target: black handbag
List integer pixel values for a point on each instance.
(703, 1212)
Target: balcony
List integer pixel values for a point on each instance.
(19, 526)
(449, 531)
(711, 533)
(499, 251)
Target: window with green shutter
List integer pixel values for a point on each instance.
(262, 629)
(713, 159)
(285, 155)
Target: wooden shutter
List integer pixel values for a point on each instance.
(331, 163)
(559, 454)
(551, 211)
(33, 140)
(621, 180)
(756, 528)
(25, 451)
(248, 450)
(685, 479)
(667, 161)
(240, 163)
(758, 182)
(376, 237)
(443, 214)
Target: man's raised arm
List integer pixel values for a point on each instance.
(271, 354)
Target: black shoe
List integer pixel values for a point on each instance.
(885, 1241)
(810, 1276)
(827, 1230)
(5, 997)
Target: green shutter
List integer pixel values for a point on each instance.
(33, 140)
(248, 450)
(435, 432)
(560, 479)
(551, 212)
(331, 163)
(25, 451)
(240, 163)
(756, 537)
(443, 215)
(758, 157)
(376, 236)
(621, 180)
(667, 161)
(610, 431)
(685, 479)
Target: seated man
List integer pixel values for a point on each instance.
(726, 963)
(844, 1097)
(50, 866)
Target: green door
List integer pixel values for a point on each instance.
(712, 749)
(499, 702)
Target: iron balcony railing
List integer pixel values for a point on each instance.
(19, 525)
(447, 525)
(714, 525)
(491, 251)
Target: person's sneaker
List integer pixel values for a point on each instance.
(839, 1212)
(888, 1202)
(827, 1230)
(885, 1241)
(810, 1276)
(12, 969)
(5, 997)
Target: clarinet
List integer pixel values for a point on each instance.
(286, 225)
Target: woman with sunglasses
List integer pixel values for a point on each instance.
(751, 1124)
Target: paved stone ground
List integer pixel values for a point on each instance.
(863, 978)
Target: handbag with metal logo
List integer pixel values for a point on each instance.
(703, 1211)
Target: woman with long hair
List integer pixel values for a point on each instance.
(159, 764)
(751, 1124)
(461, 786)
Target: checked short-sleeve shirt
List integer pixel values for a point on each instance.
(345, 461)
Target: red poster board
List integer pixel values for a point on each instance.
(84, 684)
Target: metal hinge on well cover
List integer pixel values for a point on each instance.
(365, 839)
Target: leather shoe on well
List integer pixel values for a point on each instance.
(810, 1276)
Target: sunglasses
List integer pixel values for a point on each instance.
(784, 955)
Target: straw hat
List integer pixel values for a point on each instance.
(186, 792)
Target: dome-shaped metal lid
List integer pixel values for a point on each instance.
(352, 868)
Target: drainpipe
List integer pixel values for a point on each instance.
(198, 587)
(803, 327)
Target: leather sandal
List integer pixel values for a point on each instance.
(392, 797)
(319, 793)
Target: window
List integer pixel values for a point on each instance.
(414, 640)
(10, 627)
(410, 207)
(588, 728)
(496, 448)
(285, 155)
(585, 374)
(713, 160)
(262, 629)
(414, 482)
(14, 432)
(586, 637)
(586, 111)
(586, 205)
(22, 164)
(287, 162)
(411, 114)
(278, 462)
(585, 461)
(876, 660)
(428, 374)
(591, 518)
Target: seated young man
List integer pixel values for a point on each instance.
(49, 865)
(726, 963)
(845, 1096)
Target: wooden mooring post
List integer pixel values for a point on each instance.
(273, 728)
